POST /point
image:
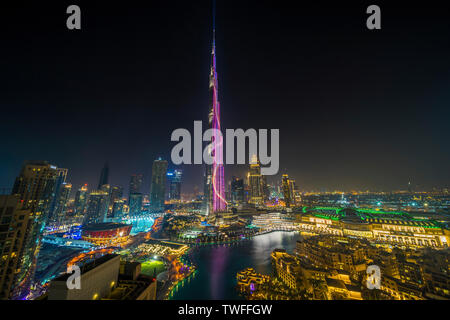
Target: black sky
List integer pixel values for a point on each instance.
(355, 108)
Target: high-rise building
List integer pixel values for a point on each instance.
(237, 191)
(287, 190)
(104, 176)
(116, 194)
(255, 182)
(175, 184)
(214, 179)
(81, 200)
(35, 187)
(13, 231)
(118, 209)
(62, 197)
(158, 187)
(136, 183)
(135, 204)
(57, 204)
(97, 207)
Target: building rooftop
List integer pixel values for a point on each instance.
(89, 266)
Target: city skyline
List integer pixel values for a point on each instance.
(347, 200)
(364, 117)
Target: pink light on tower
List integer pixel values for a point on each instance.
(218, 181)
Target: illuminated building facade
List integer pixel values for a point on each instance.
(383, 227)
(248, 280)
(287, 268)
(106, 234)
(118, 208)
(158, 187)
(274, 221)
(97, 207)
(256, 183)
(214, 194)
(13, 227)
(61, 199)
(81, 200)
(135, 204)
(175, 178)
(35, 187)
(116, 194)
(288, 191)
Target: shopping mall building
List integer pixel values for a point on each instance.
(399, 228)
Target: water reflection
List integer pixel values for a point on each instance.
(218, 265)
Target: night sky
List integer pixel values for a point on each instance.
(356, 109)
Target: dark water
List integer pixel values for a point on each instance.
(218, 265)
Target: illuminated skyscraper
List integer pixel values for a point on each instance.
(287, 187)
(175, 184)
(81, 200)
(255, 182)
(35, 187)
(55, 204)
(158, 187)
(214, 195)
(118, 208)
(62, 197)
(116, 194)
(97, 207)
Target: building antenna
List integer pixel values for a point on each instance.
(214, 21)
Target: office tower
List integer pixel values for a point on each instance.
(175, 184)
(60, 180)
(135, 204)
(62, 197)
(158, 187)
(214, 181)
(136, 183)
(292, 188)
(104, 176)
(255, 182)
(81, 200)
(287, 193)
(13, 229)
(118, 209)
(35, 187)
(97, 207)
(55, 209)
(116, 194)
(237, 191)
